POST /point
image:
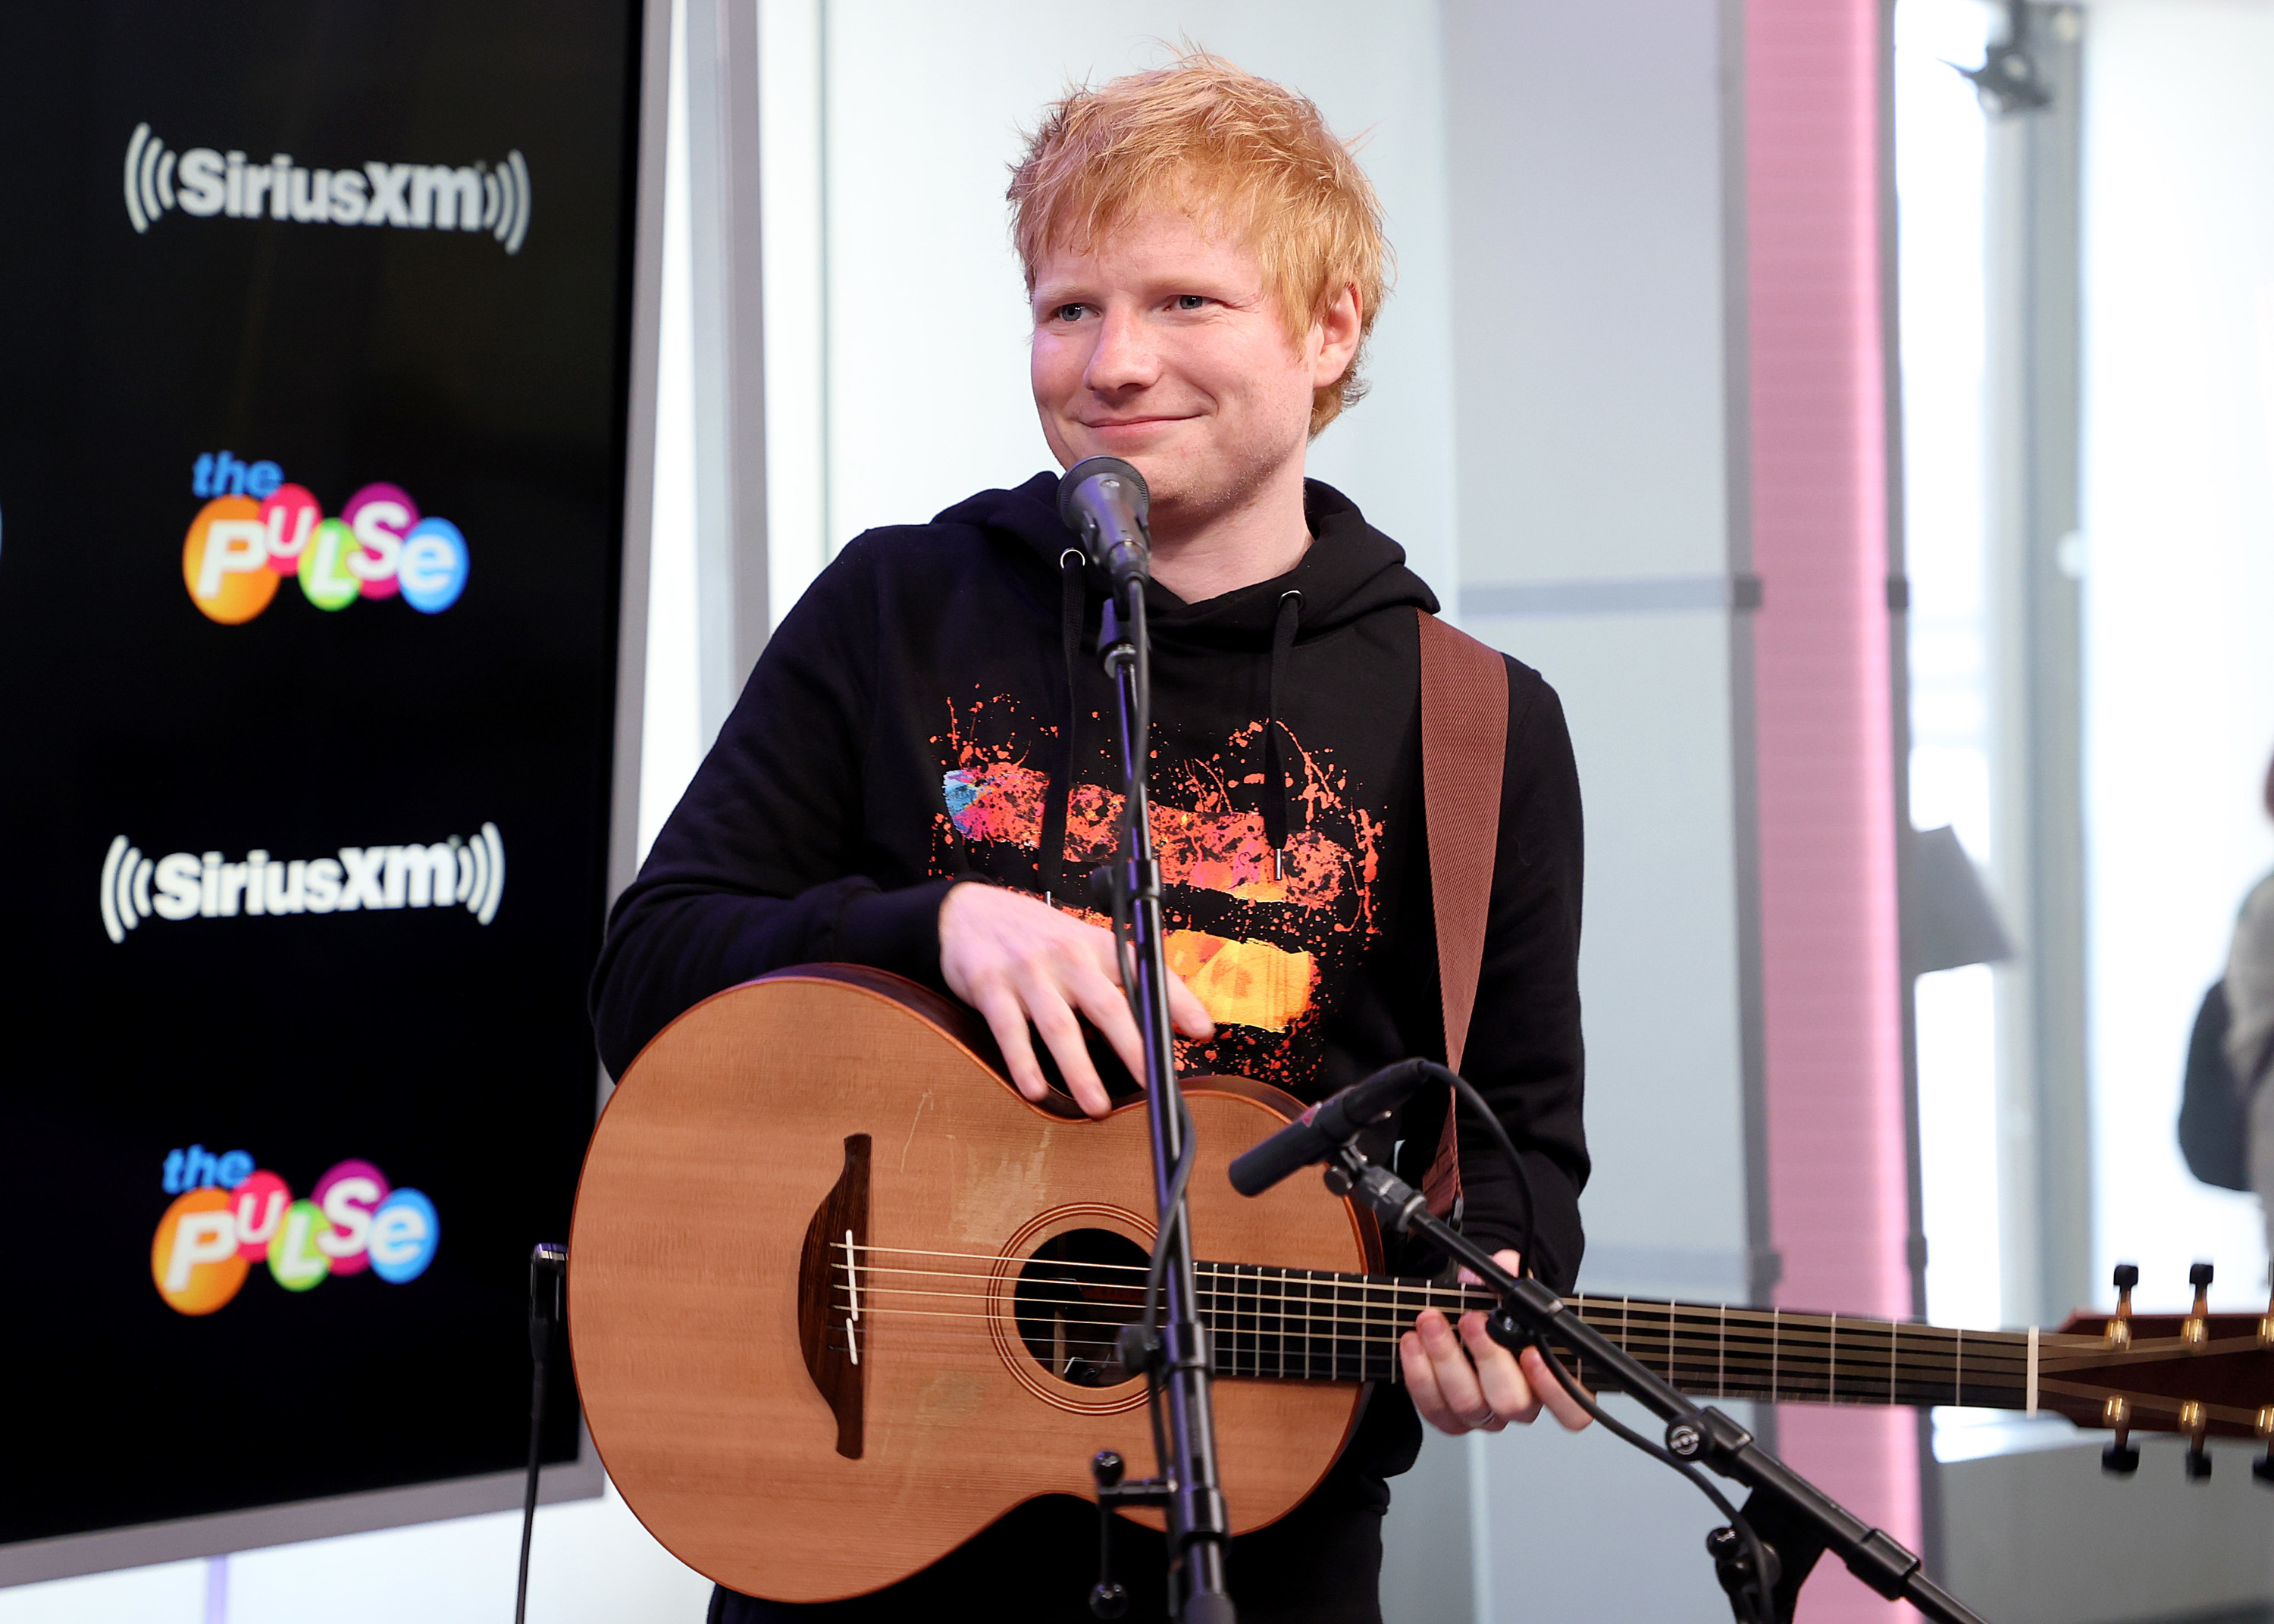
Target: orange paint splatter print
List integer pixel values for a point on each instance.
(1262, 937)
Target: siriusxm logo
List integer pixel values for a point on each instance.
(448, 873)
(419, 196)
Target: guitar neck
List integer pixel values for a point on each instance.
(1299, 1325)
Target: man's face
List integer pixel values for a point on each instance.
(1162, 346)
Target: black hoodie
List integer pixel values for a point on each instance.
(919, 716)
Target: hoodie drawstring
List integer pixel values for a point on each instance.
(1050, 860)
(1275, 776)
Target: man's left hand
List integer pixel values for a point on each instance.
(1463, 1381)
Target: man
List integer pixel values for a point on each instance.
(922, 771)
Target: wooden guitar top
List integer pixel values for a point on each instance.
(808, 1201)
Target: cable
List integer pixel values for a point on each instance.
(548, 1266)
(1467, 1092)
(1762, 1606)
(1159, 1267)
(529, 1500)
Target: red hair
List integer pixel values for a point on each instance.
(1203, 137)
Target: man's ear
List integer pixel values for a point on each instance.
(1336, 332)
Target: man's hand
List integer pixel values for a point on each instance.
(1465, 1382)
(1016, 959)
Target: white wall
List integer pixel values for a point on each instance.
(2178, 516)
(1588, 281)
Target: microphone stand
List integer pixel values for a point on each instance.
(1784, 1507)
(1189, 1488)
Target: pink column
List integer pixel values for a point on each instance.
(1830, 962)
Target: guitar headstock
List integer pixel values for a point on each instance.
(2198, 1374)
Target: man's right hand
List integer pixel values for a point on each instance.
(1016, 959)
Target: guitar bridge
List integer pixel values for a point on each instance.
(830, 1328)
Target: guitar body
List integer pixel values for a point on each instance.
(798, 1424)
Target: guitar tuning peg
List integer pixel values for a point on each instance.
(2193, 1421)
(2122, 1458)
(2120, 1328)
(2195, 1329)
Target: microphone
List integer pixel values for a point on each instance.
(1104, 500)
(1326, 1126)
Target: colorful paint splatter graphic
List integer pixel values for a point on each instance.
(1263, 938)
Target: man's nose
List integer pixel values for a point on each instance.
(1123, 357)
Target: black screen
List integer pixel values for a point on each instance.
(314, 339)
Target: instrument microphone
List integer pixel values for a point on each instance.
(1331, 1124)
(1104, 500)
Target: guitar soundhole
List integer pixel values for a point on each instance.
(1073, 1297)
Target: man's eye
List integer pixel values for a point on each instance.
(1068, 312)
(1190, 301)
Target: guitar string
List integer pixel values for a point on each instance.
(1361, 1351)
(1375, 1313)
(1043, 1294)
(1788, 1326)
(1372, 1364)
(1667, 1338)
(1251, 1364)
(1366, 1352)
(1678, 1329)
(1783, 1380)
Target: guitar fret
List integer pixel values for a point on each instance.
(1224, 1320)
(1279, 1320)
(1396, 1364)
(1225, 1325)
(1309, 1330)
(1255, 1273)
(1255, 1321)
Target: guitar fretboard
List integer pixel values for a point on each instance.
(1301, 1325)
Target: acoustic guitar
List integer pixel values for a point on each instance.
(840, 1298)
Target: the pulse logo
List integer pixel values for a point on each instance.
(256, 530)
(228, 1214)
(440, 196)
(449, 873)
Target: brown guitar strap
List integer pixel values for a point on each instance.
(1463, 748)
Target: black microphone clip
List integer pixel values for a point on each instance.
(1104, 501)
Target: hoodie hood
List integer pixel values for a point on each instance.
(1351, 569)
